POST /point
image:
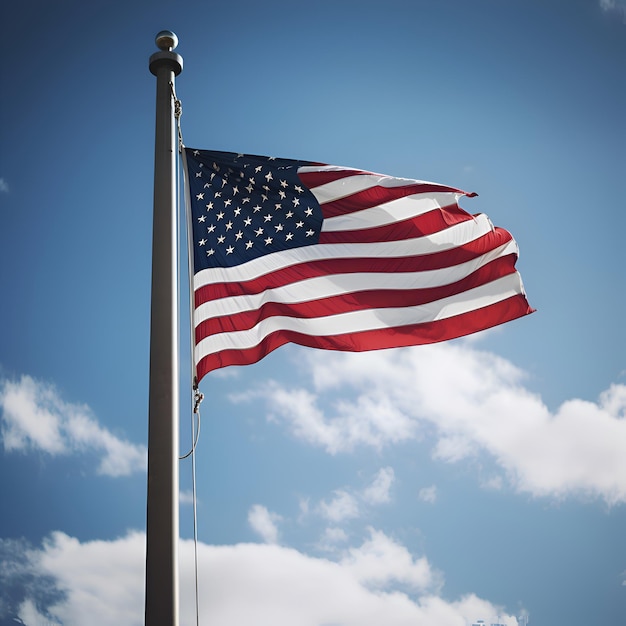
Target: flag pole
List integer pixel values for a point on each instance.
(161, 602)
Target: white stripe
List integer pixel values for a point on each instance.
(336, 189)
(321, 287)
(447, 239)
(370, 319)
(389, 212)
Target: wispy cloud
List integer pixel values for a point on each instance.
(428, 494)
(617, 7)
(343, 506)
(4, 186)
(379, 491)
(34, 417)
(103, 585)
(381, 398)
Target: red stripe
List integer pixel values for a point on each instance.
(315, 179)
(356, 301)
(311, 269)
(411, 335)
(425, 224)
(374, 196)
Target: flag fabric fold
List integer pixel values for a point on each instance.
(336, 258)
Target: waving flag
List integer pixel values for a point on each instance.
(336, 258)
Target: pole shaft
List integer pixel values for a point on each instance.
(161, 607)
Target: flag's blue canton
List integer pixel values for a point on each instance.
(244, 206)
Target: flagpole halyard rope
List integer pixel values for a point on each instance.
(197, 396)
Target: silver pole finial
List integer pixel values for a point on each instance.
(166, 40)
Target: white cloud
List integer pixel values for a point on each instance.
(33, 416)
(261, 584)
(343, 506)
(378, 491)
(331, 538)
(361, 421)
(428, 494)
(381, 562)
(264, 523)
(474, 402)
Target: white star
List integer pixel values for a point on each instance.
(258, 232)
(209, 206)
(202, 218)
(221, 239)
(211, 228)
(229, 225)
(200, 196)
(256, 209)
(230, 250)
(299, 224)
(245, 201)
(210, 252)
(298, 188)
(251, 181)
(248, 221)
(282, 194)
(268, 217)
(278, 227)
(249, 245)
(268, 241)
(258, 168)
(202, 242)
(220, 215)
(235, 190)
(249, 188)
(196, 152)
(237, 211)
(289, 214)
(277, 206)
(308, 212)
(283, 184)
(310, 233)
(198, 174)
(268, 176)
(238, 236)
(288, 236)
(218, 194)
(228, 202)
(296, 201)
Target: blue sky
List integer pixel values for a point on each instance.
(477, 479)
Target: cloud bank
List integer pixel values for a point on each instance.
(101, 583)
(470, 403)
(33, 416)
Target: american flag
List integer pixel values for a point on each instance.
(336, 258)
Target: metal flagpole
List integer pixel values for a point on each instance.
(162, 508)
